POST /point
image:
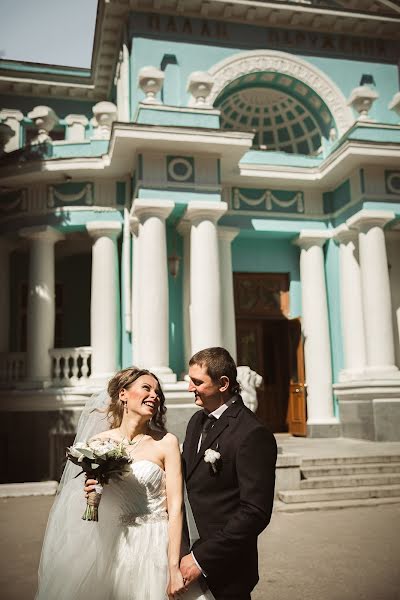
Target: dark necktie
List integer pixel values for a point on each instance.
(208, 422)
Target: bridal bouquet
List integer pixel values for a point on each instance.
(99, 459)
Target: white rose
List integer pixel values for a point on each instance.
(73, 451)
(102, 447)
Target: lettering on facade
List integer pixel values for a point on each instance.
(274, 39)
(191, 27)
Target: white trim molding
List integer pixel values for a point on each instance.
(253, 61)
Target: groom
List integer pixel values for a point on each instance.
(231, 488)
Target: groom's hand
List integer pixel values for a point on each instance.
(190, 571)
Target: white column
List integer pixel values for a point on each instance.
(315, 324)
(104, 305)
(355, 358)
(134, 225)
(184, 230)
(41, 303)
(226, 236)
(376, 293)
(205, 283)
(5, 249)
(152, 282)
(13, 119)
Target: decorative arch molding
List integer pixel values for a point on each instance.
(253, 61)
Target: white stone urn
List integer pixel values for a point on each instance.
(45, 119)
(150, 82)
(105, 113)
(395, 103)
(361, 99)
(6, 133)
(199, 85)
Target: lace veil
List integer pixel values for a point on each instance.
(68, 538)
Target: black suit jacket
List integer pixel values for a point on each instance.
(232, 507)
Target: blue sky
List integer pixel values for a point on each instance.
(58, 32)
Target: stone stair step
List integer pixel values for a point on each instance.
(343, 493)
(333, 504)
(350, 481)
(347, 460)
(358, 469)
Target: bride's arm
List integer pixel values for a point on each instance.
(174, 488)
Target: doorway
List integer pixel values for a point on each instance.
(271, 344)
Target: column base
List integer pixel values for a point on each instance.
(370, 410)
(384, 372)
(100, 379)
(351, 375)
(164, 374)
(329, 428)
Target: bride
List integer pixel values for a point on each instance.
(132, 552)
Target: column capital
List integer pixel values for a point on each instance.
(364, 220)
(199, 210)
(134, 224)
(145, 208)
(98, 229)
(343, 234)
(228, 234)
(310, 237)
(41, 232)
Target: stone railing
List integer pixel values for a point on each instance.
(71, 366)
(12, 367)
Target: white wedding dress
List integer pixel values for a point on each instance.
(123, 556)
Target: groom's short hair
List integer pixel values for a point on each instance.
(218, 363)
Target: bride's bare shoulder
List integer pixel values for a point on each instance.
(169, 441)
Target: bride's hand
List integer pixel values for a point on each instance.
(176, 585)
(89, 485)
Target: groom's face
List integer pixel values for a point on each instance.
(207, 393)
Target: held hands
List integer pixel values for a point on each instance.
(190, 571)
(176, 585)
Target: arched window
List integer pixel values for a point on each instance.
(284, 113)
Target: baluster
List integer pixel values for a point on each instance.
(57, 366)
(75, 366)
(85, 364)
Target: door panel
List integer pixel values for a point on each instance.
(263, 346)
(271, 344)
(297, 411)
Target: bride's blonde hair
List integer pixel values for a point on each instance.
(123, 379)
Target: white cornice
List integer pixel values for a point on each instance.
(111, 16)
(128, 140)
(336, 167)
(281, 14)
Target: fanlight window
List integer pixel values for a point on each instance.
(292, 120)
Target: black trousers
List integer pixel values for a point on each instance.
(239, 596)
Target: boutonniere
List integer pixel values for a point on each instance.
(212, 457)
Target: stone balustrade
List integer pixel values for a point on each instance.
(71, 366)
(12, 367)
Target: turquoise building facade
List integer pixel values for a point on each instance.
(222, 175)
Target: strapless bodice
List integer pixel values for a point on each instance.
(142, 494)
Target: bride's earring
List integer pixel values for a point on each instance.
(125, 406)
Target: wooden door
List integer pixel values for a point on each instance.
(263, 346)
(297, 409)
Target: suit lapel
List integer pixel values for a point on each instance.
(214, 433)
(192, 441)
